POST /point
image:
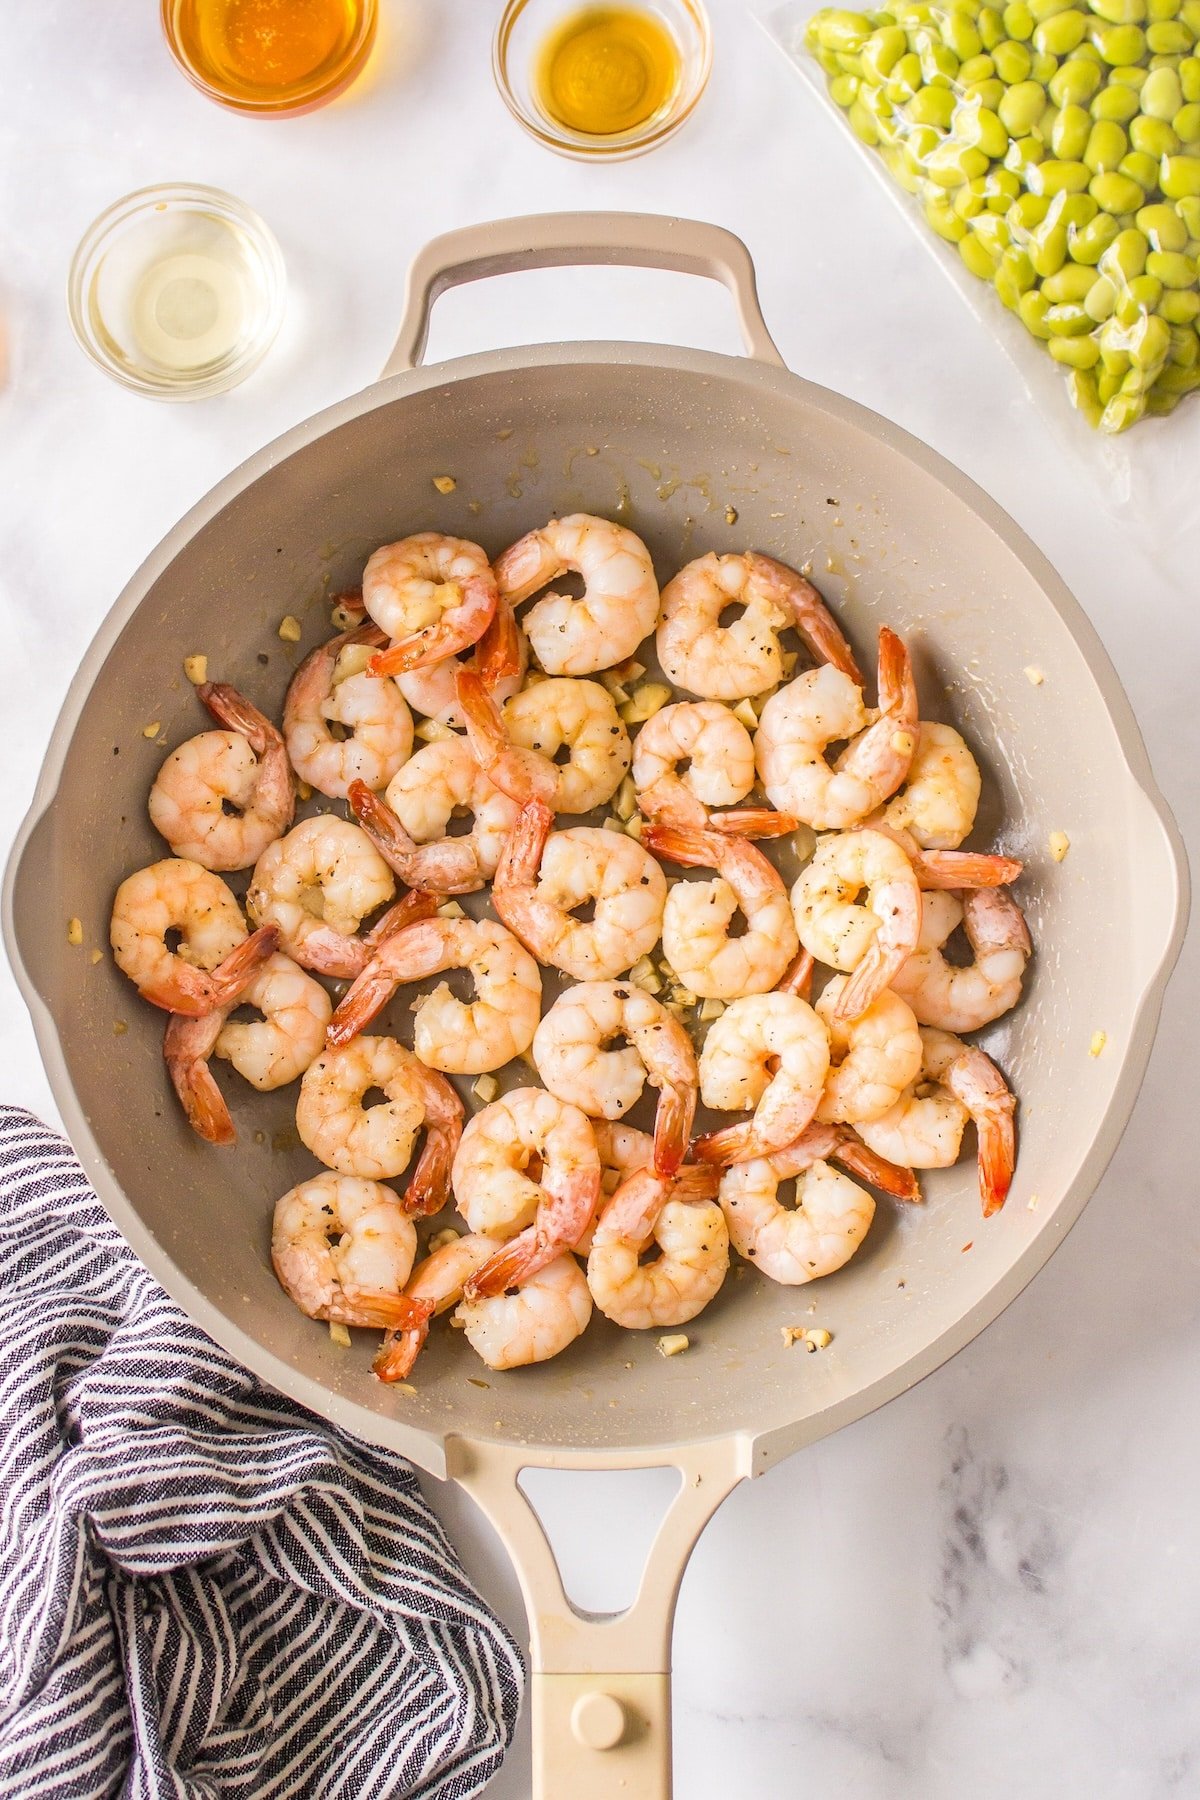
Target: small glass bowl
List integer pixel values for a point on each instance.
(523, 29)
(182, 24)
(177, 291)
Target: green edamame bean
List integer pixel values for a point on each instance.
(1048, 248)
(1122, 411)
(1025, 215)
(1070, 283)
(881, 52)
(1021, 108)
(1061, 34)
(1153, 136)
(1137, 297)
(896, 162)
(904, 80)
(1188, 208)
(1118, 104)
(1076, 352)
(943, 218)
(1014, 276)
(1106, 145)
(838, 30)
(991, 27)
(1081, 390)
(1162, 94)
(960, 36)
(862, 124)
(1074, 82)
(1116, 193)
(1185, 348)
(844, 89)
(976, 126)
(1142, 168)
(1170, 37)
(1070, 134)
(1120, 12)
(950, 164)
(976, 70)
(1048, 9)
(1179, 307)
(932, 106)
(1149, 342)
(1172, 267)
(970, 200)
(977, 257)
(1189, 77)
(1180, 176)
(1067, 319)
(919, 142)
(985, 93)
(1032, 310)
(993, 233)
(1000, 187)
(1044, 66)
(1013, 62)
(1074, 209)
(1018, 21)
(1132, 77)
(938, 64)
(1186, 123)
(1057, 177)
(1189, 12)
(1125, 258)
(1163, 227)
(1087, 243)
(1119, 45)
(1101, 301)
(1022, 153)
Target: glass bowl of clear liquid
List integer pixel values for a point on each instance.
(177, 291)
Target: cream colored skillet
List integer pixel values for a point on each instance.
(696, 451)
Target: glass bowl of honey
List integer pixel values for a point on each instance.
(271, 58)
(597, 81)
(177, 292)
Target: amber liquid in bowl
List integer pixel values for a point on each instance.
(270, 55)
(606, 69)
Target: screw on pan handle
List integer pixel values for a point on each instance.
(564, 240)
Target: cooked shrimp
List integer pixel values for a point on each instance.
(436, 1285)
(277, 1048)
(433, 595)
(730, 662)
(571, 1058)
(873, 940)
(924, 1128)
(175, 896)
(543, 877)
(618, 606)
(940, 795)
(623, 1150)
(769, 1052)
(526, 1128)
(823, 706)
(343, 1249)
(517, 747)
(693, 1260)
(831, 1217)
(874, 1056)
(962, 998)
(459, 1036)
(698, 914)
(547, 1310)
(375, 730)
(222, 797)
(440, 783)
(718, 757)
(318, 884)
(501, 658)
(189, 1042)
(377, 1141)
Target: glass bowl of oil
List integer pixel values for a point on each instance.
(597, 81)
(272, 58)
(177, 292)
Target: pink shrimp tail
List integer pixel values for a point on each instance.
(429, 1189)
(522, 854)
(812, 618)
(672, 1128)
(798, 978)
(363, 1001)
(410, 909)
(732, 1144)
(892, 1177)
(753, 822)
(200, 1097)
(233, 976)
(997, 1136)
(498, 652)
(695, 1181)
(867, 982)
(956, 869)
(683, 844)
(463, 625)
(897, 689)
(383, 828)
(236, 713)
(523, 775)
(404, 1341)
(521, 1257)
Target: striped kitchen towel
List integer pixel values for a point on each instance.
(205, 1591)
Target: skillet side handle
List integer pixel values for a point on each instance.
(601, 1690)
(565, 240)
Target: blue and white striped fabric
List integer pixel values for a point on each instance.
(206, 1592)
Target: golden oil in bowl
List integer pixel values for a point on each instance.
(607, 69)
(270, 56)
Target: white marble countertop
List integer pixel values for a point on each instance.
(991, 1588)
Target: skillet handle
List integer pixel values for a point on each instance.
(558, 240)
(601, 1692)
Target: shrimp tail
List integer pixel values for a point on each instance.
(383, 828)
(682, 844)
(200, 1097)
(429, 1189)
(867, 982)
(809, 613)
(522, 854)
(507, 1267)
(753, 821)
(897, 689)
(892, 1178)
(232, 977)
(404, 1342)
(498, 652)
(236, 713)
(351, 606)
(695, 1181)
(410, 909)
(997, 1136)
(523, 775)
(732, 1144)
(798, 978)
(672, 1128)
(363, 1001)
(448, 635)
(957, 869)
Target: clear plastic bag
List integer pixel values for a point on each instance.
(1146, 475)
